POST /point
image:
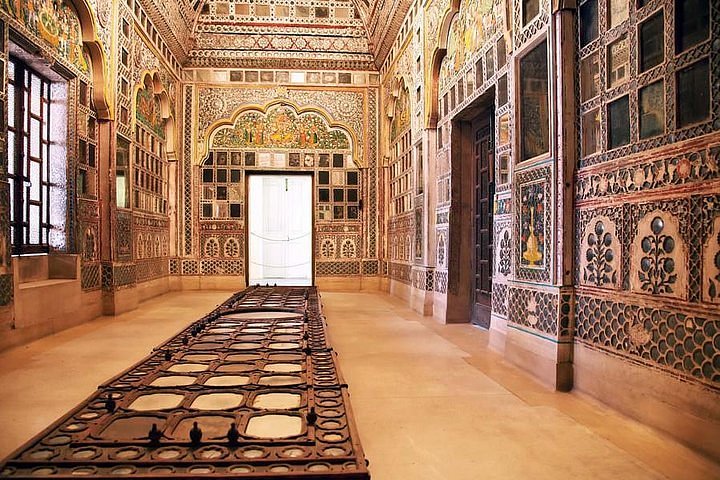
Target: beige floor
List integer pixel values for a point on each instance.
(431, 401)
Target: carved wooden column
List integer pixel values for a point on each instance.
(565, 83)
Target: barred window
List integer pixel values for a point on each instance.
(28, 148)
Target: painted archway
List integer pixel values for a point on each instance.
(98, 62)
(69, 28)
(282, 125)
(152, 90)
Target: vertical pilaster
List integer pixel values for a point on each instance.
(565, 84)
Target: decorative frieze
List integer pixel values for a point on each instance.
(691, 167)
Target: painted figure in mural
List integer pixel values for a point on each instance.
(472, 26)
(147, 111)
(401, 119)
(258, 134)
(55, 22)
(280, 128)
(281, 131)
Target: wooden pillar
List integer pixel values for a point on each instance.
(565, 84)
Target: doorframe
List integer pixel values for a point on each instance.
(461, 251)
(248, 174)
(489, 123)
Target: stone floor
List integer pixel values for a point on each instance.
(430, 401)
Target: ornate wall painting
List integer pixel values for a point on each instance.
(711, 264)
(618, 54)
(619, 12)
(53, 21)
(346, 107)
(504, 129)
(401, 118)
(652, 110)
(472, 26)
(148, 112)
(659, 257)
(532, 225)
(281, 127)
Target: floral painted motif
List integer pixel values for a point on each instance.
(657, 268)
(327, 248)
(504, 253)
(711, 257)
(693, 167)
(281, 127)
(600, 257)
(532, 225)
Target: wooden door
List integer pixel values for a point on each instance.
(280, 229)
(483, 221)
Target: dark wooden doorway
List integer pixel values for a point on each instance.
(484, 191)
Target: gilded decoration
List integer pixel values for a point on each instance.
(148, 111)
(346, 107)
(532, 225)
(472, 26)
(532, 228)
(401, 118)
(55, 22)
(282, 128)
(659, 257)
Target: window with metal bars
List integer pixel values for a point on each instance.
(401, 188)
(150, 167)
(28, 144)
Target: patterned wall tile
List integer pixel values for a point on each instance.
(6, 289)
(90, 276)
(533, 309)
(400, 272)
(328, 269)
(679, 342)
(441, 281)
(500, 299)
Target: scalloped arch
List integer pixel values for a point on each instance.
(355, 146)
(94, 49)
(437, 56)
(150, 78)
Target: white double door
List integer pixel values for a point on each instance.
(280, 229)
